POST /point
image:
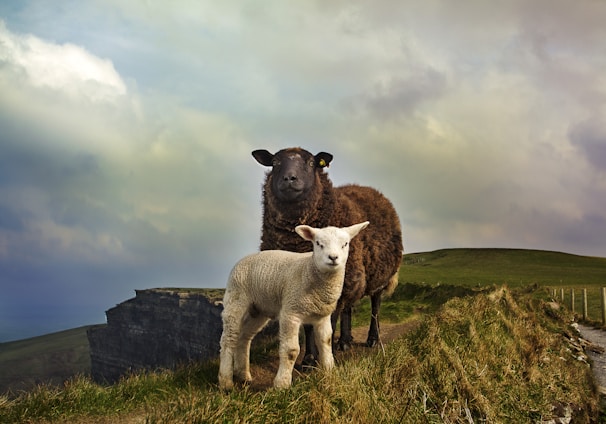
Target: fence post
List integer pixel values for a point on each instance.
(603, 305)
(585, 305)
(572, 300)
(562, 295)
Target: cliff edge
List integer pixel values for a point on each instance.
(158, 328)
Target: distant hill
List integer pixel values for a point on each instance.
(51, 358)
(513, 267)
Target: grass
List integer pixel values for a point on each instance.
(513, 267)
(495, 356)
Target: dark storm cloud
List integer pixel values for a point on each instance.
(399, 97)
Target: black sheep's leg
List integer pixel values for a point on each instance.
(373, 331)
(311, 351)
(345, 339)
(333, 321)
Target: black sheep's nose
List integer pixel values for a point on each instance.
(290, 177)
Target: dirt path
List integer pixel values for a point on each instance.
(597, 337)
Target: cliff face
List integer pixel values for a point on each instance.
(159, 328)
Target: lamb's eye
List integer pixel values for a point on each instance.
(319, 245)
(345, 245)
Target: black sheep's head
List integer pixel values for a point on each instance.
(293, 171)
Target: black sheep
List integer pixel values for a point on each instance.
(298, 191)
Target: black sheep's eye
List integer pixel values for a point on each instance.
(275, 162)
(311, 163)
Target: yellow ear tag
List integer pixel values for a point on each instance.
(322, 163)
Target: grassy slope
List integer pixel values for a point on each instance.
(438, 276)
(50, 358)
(444, 273)
(492, 357)
(513, 267)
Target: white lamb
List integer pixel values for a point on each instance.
(295, 288)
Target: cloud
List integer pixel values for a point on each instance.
(590, 138)
(67, 68)
(106, 189)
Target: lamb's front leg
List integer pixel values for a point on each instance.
(323, 338)
(289, 351)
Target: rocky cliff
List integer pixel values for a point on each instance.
(159, 328)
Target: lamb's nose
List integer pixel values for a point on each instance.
(333, 258)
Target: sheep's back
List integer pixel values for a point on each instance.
(376, 253)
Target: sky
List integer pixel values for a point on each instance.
(126, 130)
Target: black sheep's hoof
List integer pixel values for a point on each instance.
(309, 362)
(343, 346)
(371, 342)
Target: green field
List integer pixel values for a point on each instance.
(514, 268)
(511, 267)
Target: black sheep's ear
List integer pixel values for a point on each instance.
(263, 157)
(323, 159)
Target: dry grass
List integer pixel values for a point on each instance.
(486, 358)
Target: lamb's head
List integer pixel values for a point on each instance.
(293, 171)
(331, 244)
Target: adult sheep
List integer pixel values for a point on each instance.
(297, 191)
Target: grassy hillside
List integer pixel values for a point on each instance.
(513, 267)
(427, 280)
(52, 358)
(499, 356)
(525, 378)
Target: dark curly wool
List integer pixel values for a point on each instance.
(298, 191)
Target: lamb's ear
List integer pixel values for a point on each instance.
(305, 231)
(356, 228)
(263, 157)
(323, 159)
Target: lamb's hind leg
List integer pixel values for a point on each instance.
(232, 316)
(373, 331)
(289, 350)
(323, 338)
(252, 323)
